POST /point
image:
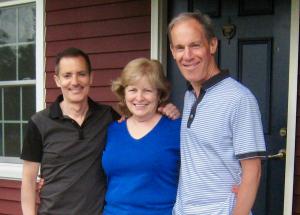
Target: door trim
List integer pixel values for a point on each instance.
(292, 108)
(159, 31)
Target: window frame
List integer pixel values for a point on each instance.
(11, 168)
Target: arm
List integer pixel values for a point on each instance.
(251, 169)
(28, 188)
(169, 110)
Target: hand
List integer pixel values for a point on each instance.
(123, 118)
(40, 184)
(170, 111)
(235, 189)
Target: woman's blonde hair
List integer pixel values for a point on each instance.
(133, 72)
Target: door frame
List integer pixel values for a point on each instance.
(159, 48)
(292, 108)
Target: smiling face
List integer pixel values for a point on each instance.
(74, 79)
(141, 99)
(193, 53)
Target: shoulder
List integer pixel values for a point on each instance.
(103, 109)
(40, 116)
(115, 126)
(233, 90)
(170, 123)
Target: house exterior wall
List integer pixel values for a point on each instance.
(10, 197)
(111, 32)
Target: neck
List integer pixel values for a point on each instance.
(138, 127)
(76, 111)
(145, 119)
(214, 70)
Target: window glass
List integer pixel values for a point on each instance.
(28, 98)
(8, 63)
(17, 75)
(26, 24)
(26, 59)
(12, 103)
(8, 25)
(12, 139)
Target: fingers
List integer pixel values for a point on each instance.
(235, 189)
(40, 184)
(122, 119)
(170, 111)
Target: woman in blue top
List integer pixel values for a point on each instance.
(141, 159)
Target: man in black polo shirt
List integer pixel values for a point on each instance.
(66, 140)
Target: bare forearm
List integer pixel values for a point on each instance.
(245, 199)
(28, 198)
(28, 189)
(248, 188)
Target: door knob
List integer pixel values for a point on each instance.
(282, 132)
(280, 155)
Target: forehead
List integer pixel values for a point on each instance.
(187, 30)
(141, 81)
(72, 64)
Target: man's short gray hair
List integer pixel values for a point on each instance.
(203, 19)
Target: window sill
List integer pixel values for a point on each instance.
(10, 171)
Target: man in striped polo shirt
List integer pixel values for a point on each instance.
(222, 140)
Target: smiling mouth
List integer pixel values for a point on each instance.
(140, 105)
(190, 66)
(76, 91)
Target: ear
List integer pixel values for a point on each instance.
(91, 77)
(57, 81)
(213, 45)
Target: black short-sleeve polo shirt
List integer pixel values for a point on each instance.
(70, 157)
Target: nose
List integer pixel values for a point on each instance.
(74, 80)
(187, 53)
(140, 96)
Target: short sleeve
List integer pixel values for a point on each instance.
(248, 137)
(32, 145)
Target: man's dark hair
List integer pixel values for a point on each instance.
(72, 52)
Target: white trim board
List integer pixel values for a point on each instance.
(10, 171)
(292, 108)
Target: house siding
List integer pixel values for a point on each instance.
(111, 32)
(10, 197)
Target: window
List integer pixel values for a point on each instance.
(21, 76)
(17, 75)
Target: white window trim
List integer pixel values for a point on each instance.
(292, 108)
(159, 23)
(13, 170)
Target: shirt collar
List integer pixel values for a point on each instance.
(56, 112)
(213, 80)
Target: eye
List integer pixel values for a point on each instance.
(83, 74)
(148, 90)
(179, 48)
(195, 45)
(131, 89)
(66, 75)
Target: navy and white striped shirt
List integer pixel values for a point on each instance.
(217, 130)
